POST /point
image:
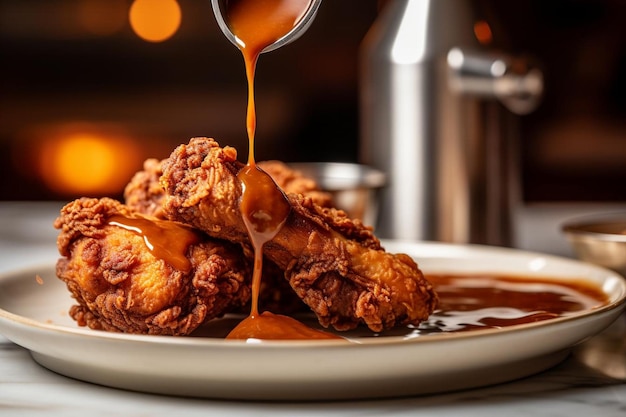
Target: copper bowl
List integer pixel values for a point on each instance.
(599, 239)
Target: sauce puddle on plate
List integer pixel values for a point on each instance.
(478, 301)
(485, 301)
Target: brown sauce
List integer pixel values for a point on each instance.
(264, 207)
(166, 240)
(276, 327)
(487, 301)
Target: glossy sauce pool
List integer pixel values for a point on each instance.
(482, 301)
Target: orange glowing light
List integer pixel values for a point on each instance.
(87, 164)
(155, 20)
(482, 31)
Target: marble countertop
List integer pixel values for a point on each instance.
(590, 382)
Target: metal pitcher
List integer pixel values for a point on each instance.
(438, 109)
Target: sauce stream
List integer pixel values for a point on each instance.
(256, 25)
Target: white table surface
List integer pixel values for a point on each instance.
(591, 382)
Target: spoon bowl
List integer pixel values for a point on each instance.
(297, 31)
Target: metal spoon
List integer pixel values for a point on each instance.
(300, 27)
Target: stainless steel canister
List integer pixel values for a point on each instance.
(437, 116)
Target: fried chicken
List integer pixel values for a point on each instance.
(334, 264)
(292, 181)
(144, 193)
(120, 285)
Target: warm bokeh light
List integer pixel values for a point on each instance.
(155, 20)
(87, 163)
(482, 31)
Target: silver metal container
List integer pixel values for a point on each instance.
(432, 119)
(354, 187)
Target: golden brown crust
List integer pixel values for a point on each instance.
(336, 265)
(292, 181)
(322, 258)
(144, 194)
(121, 286)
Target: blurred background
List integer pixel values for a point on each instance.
(91, 88)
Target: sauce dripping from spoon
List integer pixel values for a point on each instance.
(264, 207)
(257, 24)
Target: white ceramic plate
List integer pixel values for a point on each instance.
(34, 315)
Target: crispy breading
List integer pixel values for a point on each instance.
(334, 264)
(120, 285)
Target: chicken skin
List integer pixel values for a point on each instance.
(292, 181)
(120, 285)
(334, 264)
(144, 193)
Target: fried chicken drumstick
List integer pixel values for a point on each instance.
(334, 264)
(121, 286)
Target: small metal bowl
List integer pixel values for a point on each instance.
(353, 186)
(599, 239)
